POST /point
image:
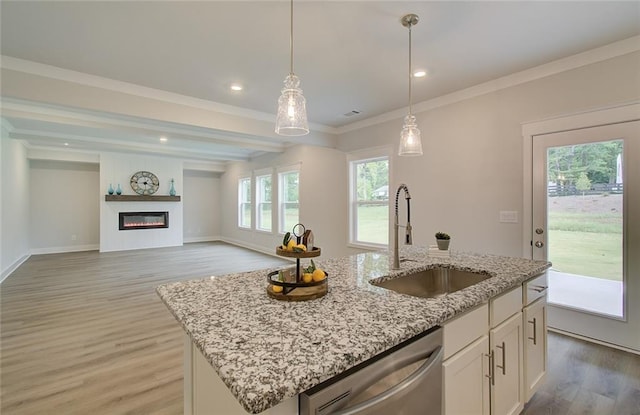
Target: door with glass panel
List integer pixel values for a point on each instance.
(586, 221)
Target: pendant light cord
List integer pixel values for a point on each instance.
(410, 100)
(291, 41)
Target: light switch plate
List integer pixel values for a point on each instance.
(508, 216)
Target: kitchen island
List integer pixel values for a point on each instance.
(267, 351)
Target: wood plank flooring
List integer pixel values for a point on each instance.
(85, 333)
(587, 378)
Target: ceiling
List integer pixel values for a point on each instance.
(350, 56)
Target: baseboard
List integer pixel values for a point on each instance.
(193, 239)
(64, 249)
(592, 340)
(5, 273)
(257, 248)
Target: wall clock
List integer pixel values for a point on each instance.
(144, 183)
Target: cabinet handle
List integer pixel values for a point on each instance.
(504, 359)
(491, 370)
(535, 337)
(538, 288)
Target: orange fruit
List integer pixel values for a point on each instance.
(276, 288)
(318, 275)
(307, 277)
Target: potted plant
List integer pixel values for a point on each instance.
(443, 240)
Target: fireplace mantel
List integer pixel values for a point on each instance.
(140, 198)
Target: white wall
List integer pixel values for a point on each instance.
(117, 168)
(14, 191)
(201, 206)
(64, 207)
(323, 199)
(472, 163)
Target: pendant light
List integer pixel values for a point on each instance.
(291, 119)
(410, 142)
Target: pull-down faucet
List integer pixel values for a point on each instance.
(408, 240)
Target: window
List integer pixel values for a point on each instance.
(263, 202)
(369, 190)
(288, 212)
(244, 202)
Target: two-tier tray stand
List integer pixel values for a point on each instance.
(299, 290)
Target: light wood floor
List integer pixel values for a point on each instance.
(85, 333)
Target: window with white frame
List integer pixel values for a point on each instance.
(263, 202)
(369, 197)
(289, 206)
(244, 202)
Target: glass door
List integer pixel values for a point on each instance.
(586, 210)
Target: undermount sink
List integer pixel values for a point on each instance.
(432, 282)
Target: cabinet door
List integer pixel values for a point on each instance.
(535, 346)
(506, 350)
(466, 381)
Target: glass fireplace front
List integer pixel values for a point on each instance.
(143, 220)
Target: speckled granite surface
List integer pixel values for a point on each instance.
(267, 350)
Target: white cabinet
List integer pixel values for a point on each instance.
(466, 380)
(506, 369)
(535, 346)
(492, 363)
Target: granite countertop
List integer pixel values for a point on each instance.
(267, 350)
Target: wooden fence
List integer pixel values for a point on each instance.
(596, 189)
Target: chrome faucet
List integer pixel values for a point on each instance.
(408, 239)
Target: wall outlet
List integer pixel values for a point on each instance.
(508, 216)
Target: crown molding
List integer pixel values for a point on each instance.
(54, 72)
(6, 126)
(589, 57)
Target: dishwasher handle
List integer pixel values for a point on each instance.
(406, 385)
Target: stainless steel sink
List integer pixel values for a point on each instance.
(432, 282)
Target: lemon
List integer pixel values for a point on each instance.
(291, 244)
(276, 288)
(307, 277)
(318, 275)
(301, 247)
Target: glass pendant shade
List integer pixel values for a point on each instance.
(292, 109)
(410, 142)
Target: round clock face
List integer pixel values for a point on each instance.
(144, 183)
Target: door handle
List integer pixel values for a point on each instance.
(539, 244)
(504, 358)
(535, 337)
(539, 231)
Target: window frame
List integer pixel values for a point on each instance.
(259, 202)
(241, 202)
(281, 191)
(353, 160)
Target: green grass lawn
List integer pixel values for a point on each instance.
(373, 224)
(586, 243)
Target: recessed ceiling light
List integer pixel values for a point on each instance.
(419, 74)
(163, 139)
(66, 144)
(236, 87)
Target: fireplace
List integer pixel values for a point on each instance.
(143, 220)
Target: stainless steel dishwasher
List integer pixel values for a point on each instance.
(405, 380)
